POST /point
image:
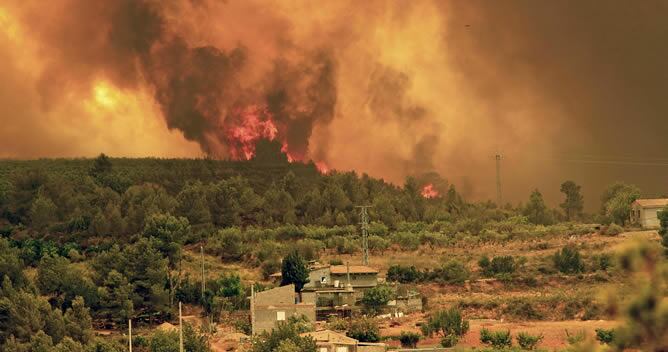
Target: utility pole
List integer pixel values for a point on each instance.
(364, 221)
(252, 309)
(201, 248)
(130, 335)
(180, 329)
(499, 199)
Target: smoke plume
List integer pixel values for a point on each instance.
(390, 88)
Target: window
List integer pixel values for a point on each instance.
(341, 348)
(280, 315)
(323, 349)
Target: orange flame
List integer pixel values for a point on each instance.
(322, 167)
(428, 191)
(249, 125)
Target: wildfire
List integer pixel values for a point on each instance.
(247, 126)
(428, 191)
(322, 167)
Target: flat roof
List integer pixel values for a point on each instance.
(649, 203)
(354, 269)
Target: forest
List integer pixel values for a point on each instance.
(91, 243)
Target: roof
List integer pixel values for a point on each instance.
(339, 270)
(651, 203)
(330, 337)
(354, 269)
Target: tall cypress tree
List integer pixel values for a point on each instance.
(294, 271)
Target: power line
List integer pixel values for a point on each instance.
(614, 162)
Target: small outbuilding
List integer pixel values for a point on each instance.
(645, 212)
(331, 341)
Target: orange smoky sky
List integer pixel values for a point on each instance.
(563, 89)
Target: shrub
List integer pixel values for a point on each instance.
(364, 330)
(227, 243)
(336, 261)
(449, 341)
(521, 308)
(409, 339)
(498, 265)
(603, 261)
(378, 244)
(574, 339)
(528, 341)
(449, 323)
(309, 248)
(337, 324)
(403, 274)
(568, 260)
(407, 240)
(605, 336)
(496, 339)
(612, 230)
(452, 272)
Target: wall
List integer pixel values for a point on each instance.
(649, 219)
(266, 317)
(357, 280)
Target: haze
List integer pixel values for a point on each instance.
(562, 89)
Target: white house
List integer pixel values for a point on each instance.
(644, 212)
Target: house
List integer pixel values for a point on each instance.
(331, 341)
(359, 276)
(278, 304)
(644, 212)
(337, 288)
(324, 277)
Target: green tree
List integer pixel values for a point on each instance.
(68, 345)
(617, 200)
(115, 296)
(383, 209)
(42, 212)
(140, 202)
(101, 165)
(536, 211)
(228, 244)
(294, 271)
(11, 265)
(375, 298)
(169, 232)
(41, 342)
(574, 203)
(78, 322)
(192, 203)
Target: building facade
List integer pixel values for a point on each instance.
(278, 304)
(645, 212)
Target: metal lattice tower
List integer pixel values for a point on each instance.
(499, 199)
(364, 222)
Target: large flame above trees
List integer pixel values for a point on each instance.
(429, 191)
